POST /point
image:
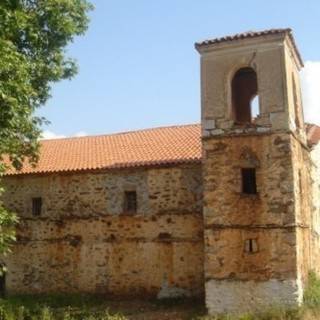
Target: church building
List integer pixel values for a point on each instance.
(227, 210)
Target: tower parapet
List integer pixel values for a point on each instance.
(250, 84)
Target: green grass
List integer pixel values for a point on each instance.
(55, 300)
(56, 307)
(91, 307)
(47, 313)
(96, 307)
(275, 313)
(312, 293)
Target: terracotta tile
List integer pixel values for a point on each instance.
(158, 146)
(150, 147)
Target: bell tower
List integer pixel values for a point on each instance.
(253, 140)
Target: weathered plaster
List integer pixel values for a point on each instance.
(83, 242)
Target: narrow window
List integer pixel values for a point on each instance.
(249, 184)
(244, 92)
(2, 280)
(130, 201)
(251, 246)
(36, 206)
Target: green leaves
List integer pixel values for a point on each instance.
(33, 38)
(8, 221)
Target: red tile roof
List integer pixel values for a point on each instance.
(252, 34)
(150, 147)
(313, 134)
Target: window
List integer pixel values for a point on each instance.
(244, 95)
(36, 206)
(251, 246)
(130, 201)
(249, 184)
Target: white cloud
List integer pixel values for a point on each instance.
(47, 134)
(51, 135)
(310, 83)
(80, 134)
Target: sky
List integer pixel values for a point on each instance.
(138, 67)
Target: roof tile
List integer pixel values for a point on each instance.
(150, 147)
(158, 146)
(252, 34)
(313, 134)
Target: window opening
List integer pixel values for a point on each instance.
(130, 201)
(249, 183)
(244, 94)
(36, 206)
(251, 246)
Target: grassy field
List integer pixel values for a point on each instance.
(83, 307)
(90, 307)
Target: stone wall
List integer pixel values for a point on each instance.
(258, 245)
(306, 164)
(315, 223)
(270, 272)
(84, 242)
(302, 186)
(277, 75)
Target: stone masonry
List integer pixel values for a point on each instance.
(84, 242)
(231, 212)
(259, 244)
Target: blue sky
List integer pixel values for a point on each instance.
(138, 67)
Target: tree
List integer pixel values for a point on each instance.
(33, 38)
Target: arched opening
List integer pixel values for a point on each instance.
(245, 100)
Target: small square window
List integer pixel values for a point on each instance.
(36, 206)
(130, 201)
(251, 246)
(249, 184)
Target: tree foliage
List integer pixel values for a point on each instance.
(33, 38)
